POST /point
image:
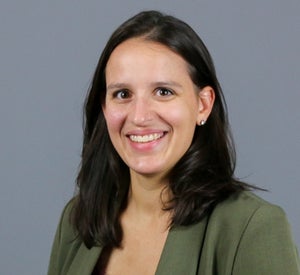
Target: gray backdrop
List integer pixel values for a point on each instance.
(48, 52)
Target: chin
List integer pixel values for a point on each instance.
(147, 171)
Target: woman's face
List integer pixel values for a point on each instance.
(151, 106)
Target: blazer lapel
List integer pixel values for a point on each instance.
(84, 261)
(182, 250)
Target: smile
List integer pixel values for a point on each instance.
(145, 138)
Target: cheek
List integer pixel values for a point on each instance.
(183, 116)
(114, 118)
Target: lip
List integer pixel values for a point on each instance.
(145, 140)
(146, 137)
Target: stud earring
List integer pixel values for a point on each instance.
(202, 122)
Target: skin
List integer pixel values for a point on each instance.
(151, 109)
(149, 92)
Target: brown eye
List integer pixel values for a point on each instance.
(164, 92)
(122, 94)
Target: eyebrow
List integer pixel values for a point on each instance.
(167, 83)
(121, 85)
(114, 86)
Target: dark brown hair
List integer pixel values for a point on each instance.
(203, 177)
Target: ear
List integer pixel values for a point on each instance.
(206, 98)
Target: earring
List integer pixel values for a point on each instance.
(202, 122)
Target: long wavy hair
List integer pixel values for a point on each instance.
(202, 178)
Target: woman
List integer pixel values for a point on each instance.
(157, 193)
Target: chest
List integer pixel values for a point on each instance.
(140, 254)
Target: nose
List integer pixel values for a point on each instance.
(141, 111)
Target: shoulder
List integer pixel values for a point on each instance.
(231, 218)
(65, 231)
(241, 207)
(252, 236)
(65, 244)
(246, 214)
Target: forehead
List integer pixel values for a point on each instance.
(138, 55)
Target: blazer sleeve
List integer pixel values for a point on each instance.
(266, 245)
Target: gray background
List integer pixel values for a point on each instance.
(48, 52)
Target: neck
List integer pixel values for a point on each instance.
(148, 196)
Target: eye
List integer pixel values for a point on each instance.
(121, 94)
(164, 92)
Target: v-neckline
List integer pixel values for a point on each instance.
(180, 254)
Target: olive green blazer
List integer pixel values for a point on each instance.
(243, 235)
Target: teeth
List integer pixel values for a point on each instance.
(145, 138)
